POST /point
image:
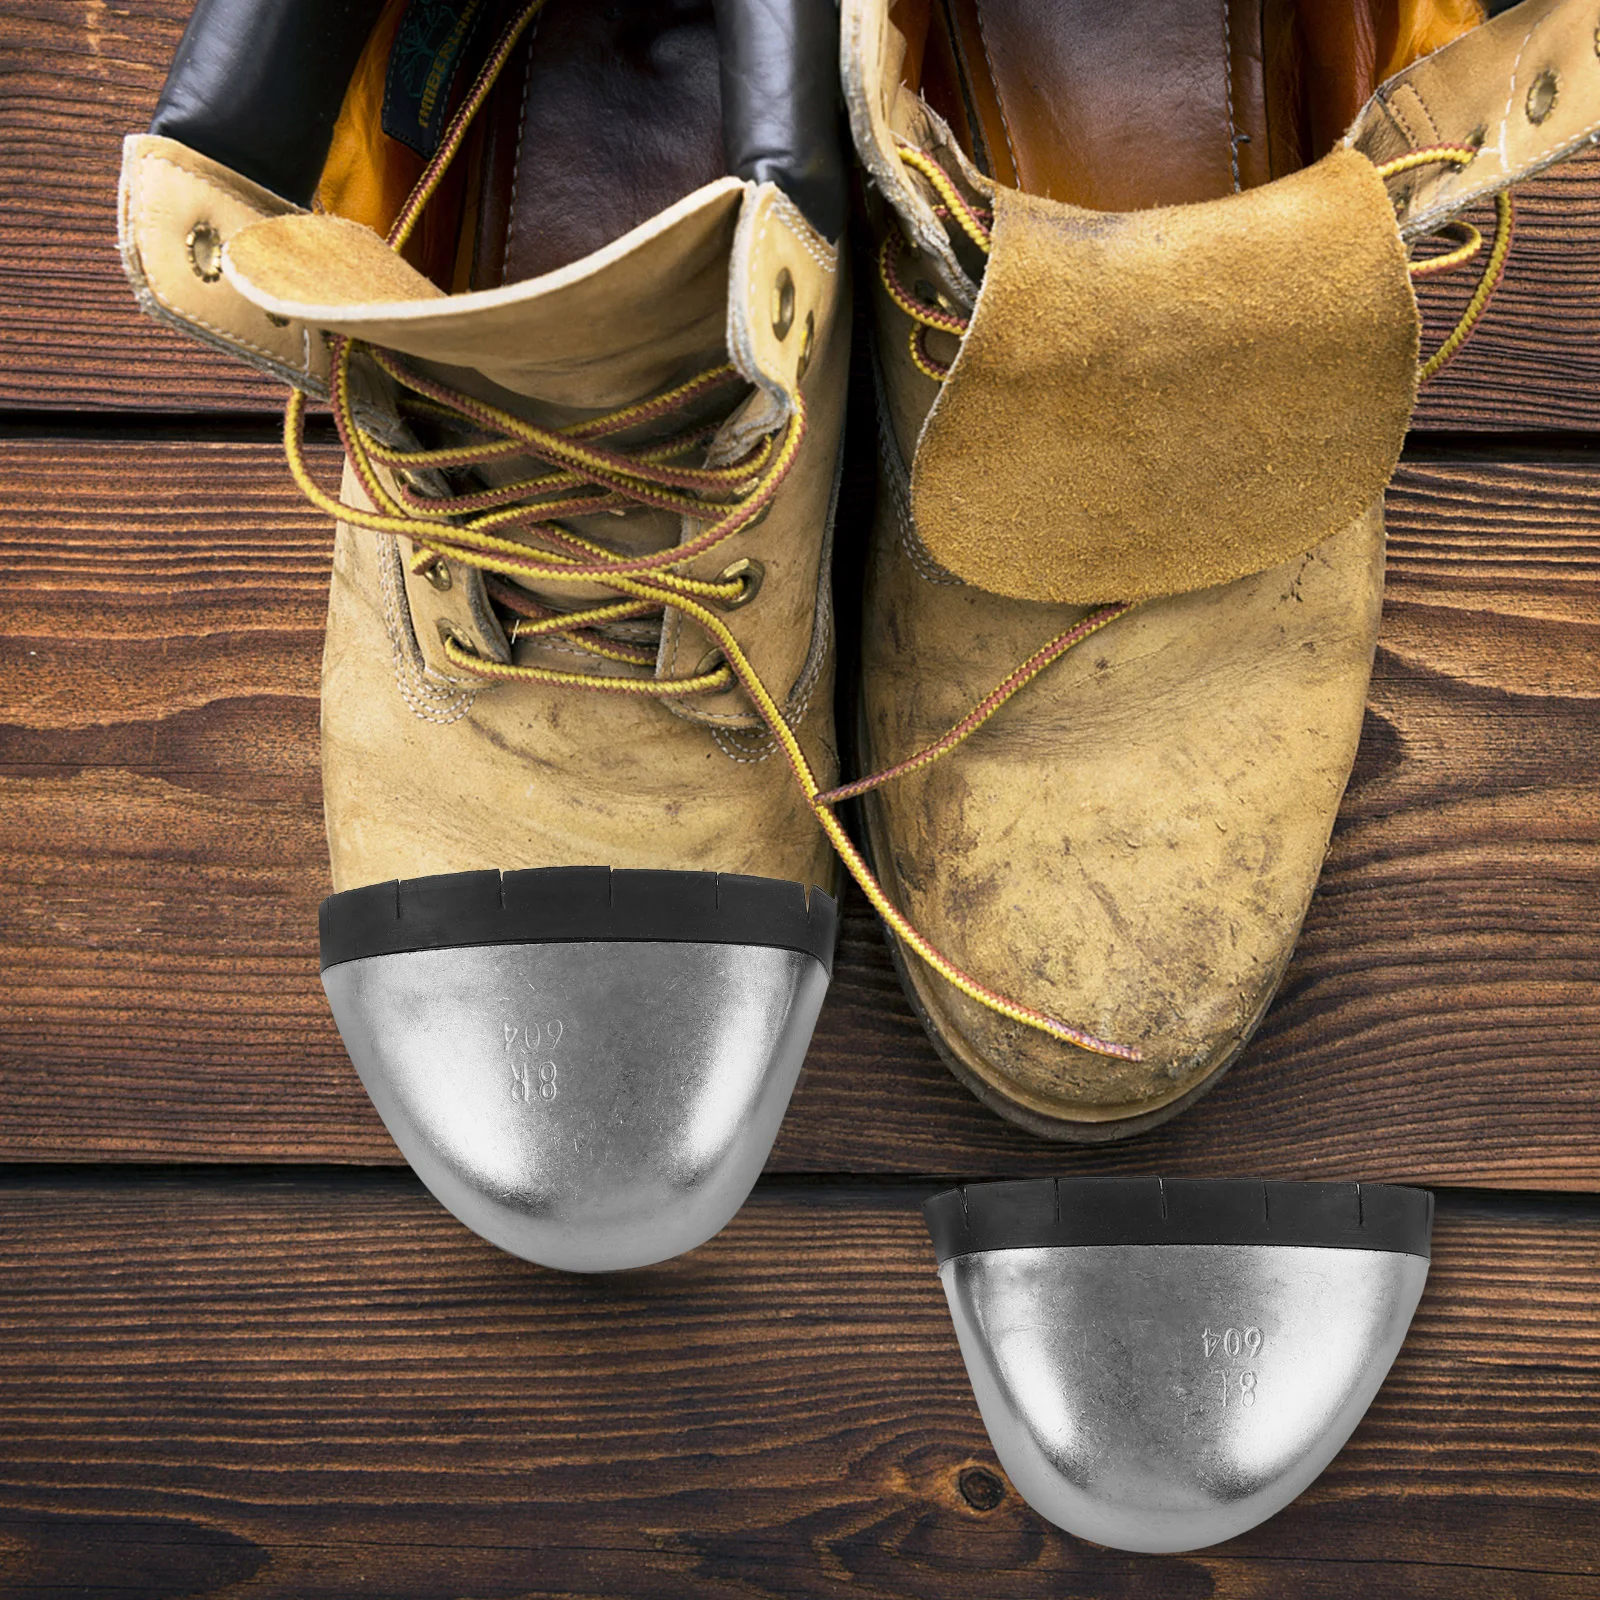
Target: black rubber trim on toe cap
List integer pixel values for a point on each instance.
(1040, 1212)
(576, 905)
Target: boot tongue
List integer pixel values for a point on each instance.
(622, 323)
(645, 312)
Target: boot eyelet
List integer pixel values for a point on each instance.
(807, 339)
(450, 634)
(783, 305)
(205, 252)
(1542, 96)
(276, 320)
(751, 574)
(438, 574)
(708, 663)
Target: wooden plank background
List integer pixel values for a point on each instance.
(323, 1387)
(242, 1353)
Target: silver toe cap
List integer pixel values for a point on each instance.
(591, 1105)
(1167, 1397)
(1164, 1396)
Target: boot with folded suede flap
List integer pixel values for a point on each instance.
(1147, 349)
(568, 277)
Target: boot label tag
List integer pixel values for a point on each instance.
(435, 38)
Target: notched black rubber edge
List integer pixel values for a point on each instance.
(576, 905)
(1039, 1212)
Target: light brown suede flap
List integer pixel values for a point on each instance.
(599, 332)
(1153, 402)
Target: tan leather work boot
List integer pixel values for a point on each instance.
(579, 313)
(1148, 348)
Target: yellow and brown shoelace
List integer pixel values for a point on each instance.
(585, 474)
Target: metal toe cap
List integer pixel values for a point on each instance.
(1164, 1396)
(589, 1106)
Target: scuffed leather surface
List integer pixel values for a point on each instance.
(167, 191)
(256, 85)
(673, 299)
(422, 775)
(1159, 401)
(1132, 842)
(1475, 91)
(427, 770)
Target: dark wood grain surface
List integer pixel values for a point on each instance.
(158, 762)
(327, 1388)
(243, 1355)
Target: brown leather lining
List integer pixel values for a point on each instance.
(610, 113)
(606, 116)
(1112, 104)
(1119, 105)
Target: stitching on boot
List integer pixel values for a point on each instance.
(1227, 82)
(1000, 105)
(777, 207)
(885, 172)
(430, 698)
(761, 739)
(189, 318)
(1511, 87)
(798, 702)
(787, 212)
(1435, 131)
(899, 481)
(1407, 131)
(522, 125)
(1417, 137)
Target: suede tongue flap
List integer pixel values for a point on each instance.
(1152, 402)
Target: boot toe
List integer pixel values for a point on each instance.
(590, 1102)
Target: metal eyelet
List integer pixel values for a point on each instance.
(807, 339)
(783, 305)
(1542, 96)
(438, 574)
(751, 574)
(708, 663)
(450, 634)
(205, 252)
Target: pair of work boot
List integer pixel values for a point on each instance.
(572, 281)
